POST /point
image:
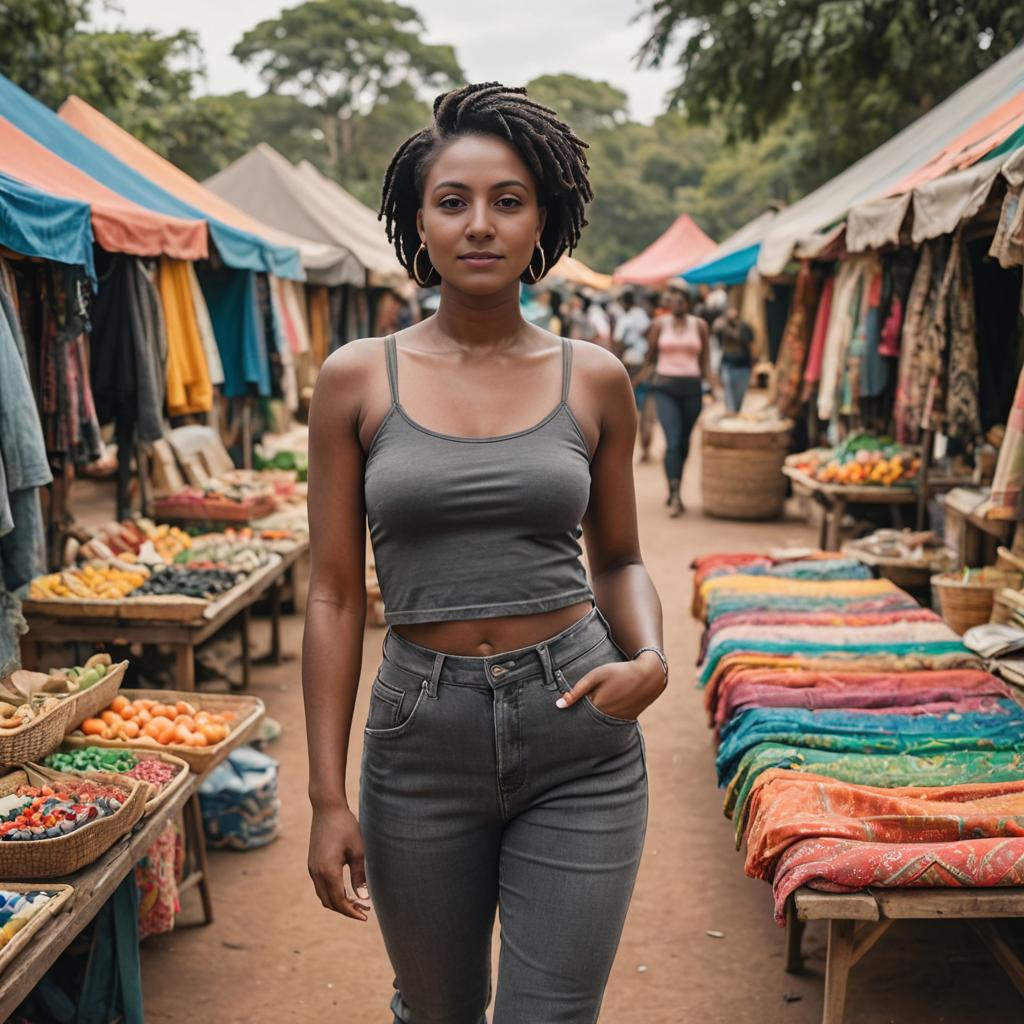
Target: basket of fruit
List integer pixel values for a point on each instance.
(199, 728)
(25, 909)
(53, 824)
(165, 773)
(860, 461)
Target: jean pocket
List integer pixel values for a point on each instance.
(605, 652)
(392, 710)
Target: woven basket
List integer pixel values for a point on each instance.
(169, 788)
(63, 855)
(970, 603)
(60, 895)
(741, 473)
(248, 711)
(89, 703)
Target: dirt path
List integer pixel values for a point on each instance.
(274, 954)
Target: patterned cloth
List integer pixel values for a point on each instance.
(795, 341)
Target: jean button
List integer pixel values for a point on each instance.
(498, 670)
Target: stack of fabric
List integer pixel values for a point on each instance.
(859, 741)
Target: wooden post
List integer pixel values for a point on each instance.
(927, 444)
(794, 939)
(837, 970)
(246, 433)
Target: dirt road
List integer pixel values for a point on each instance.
(275, 955)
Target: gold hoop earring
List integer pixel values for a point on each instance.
(534, 278)
(416, 269)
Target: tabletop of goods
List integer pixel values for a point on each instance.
(17, 909)
(166, 724)
(133, 764)
(860, 460)
(55, 809)
(25, 695)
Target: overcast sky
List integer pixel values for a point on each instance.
(510, 43)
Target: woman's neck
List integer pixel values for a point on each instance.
(472, 321)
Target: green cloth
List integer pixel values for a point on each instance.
(887, 771)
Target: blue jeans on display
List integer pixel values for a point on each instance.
(477, 794)
(735, 381)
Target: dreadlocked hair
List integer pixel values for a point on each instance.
(550, 148)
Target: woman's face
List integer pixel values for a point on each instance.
(678, 302)
(480, 219)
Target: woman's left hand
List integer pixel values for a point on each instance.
(620, 689)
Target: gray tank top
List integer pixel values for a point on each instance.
(477, 527)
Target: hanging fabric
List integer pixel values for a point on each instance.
(795, 340)
(188, 379)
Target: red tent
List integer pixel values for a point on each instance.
(684, 245)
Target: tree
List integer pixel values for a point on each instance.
(857, 70)
(585, 104)
(342, 56)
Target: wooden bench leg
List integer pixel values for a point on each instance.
(837, 970)
(794, 939)
(275, 620)
(185, 667)
(1001, 951)
(198, 874)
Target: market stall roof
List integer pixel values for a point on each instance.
(239, 249)
(575, 271)
(118, 224)
(369, 240)
(730, 263)
(324, 263)
(681, 246)
(45, 226)
(907, 152)
(266, 182)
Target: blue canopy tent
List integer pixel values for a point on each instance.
(239, 249)
(48, 227)
(729, 269)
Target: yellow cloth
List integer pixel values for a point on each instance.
(771, 585)
(188, 377)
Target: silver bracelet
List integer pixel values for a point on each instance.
(661, 658)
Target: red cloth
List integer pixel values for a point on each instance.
(843, 865)
(812, 372)
(786, 807)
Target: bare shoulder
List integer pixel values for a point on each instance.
(344, 378)
(597, 369)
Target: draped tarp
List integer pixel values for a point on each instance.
(118, 224)
(680, 247)
(574, 271)
(44, 225)
(237, 248)
(324, 263)
(732, 260)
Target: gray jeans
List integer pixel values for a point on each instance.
(477, 794)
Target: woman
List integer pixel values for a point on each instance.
(678, 355)
(503, 765)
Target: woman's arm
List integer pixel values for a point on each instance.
(622, 587)
(705, 355)
(332, 642)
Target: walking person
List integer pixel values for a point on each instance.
(630, 340)
(736, 339)
(679, 355)
(503, 764)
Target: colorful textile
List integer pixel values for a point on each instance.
(843, 317)
(768, 588)
(886, 771)
(1008, 485)
(786, 807)
(158, 884)
(962, 416)
(796, 339)
(812, 372)
(726, 604)
(231, 300)
(842, 865)
(861, 732)
(912, 382)
(188, 379)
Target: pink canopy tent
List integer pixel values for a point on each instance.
(682, 246)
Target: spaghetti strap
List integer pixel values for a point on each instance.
(392, 364)
(566, 368)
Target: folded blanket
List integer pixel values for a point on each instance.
(728, 602)
(843, 865)
(885, 771)
(858, 732)
(767, 587)
(786, 807)
(805, 689)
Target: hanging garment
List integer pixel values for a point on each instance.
(795, 341)
(1008, 484)
(897, 279)
(842, 320)
(188, 381)
(754, 315)
(319, 307)
(128, 349)
(874, 371)
(213, 363)
(812, 372)
(962, 417)
(1008, 244)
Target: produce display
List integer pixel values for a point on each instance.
(107, 759)
(163, 723)
(239, 551)
(861, 460)
(129, 541)
(915, 547)
(17, 909)
(297, 461)
(100, 581)
(186, 581)
(25, 695)
(219, 499)
(50, 811)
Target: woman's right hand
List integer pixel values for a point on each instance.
(335, 840)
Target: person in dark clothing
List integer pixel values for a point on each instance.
(736, 339)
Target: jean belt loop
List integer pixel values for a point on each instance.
(545, 662)
(435, 675)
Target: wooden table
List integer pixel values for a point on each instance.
(184, 637)
(972, 535)
(93, 887)
(834, 499)
(856, 921)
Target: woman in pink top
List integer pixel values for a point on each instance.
(678, 354)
